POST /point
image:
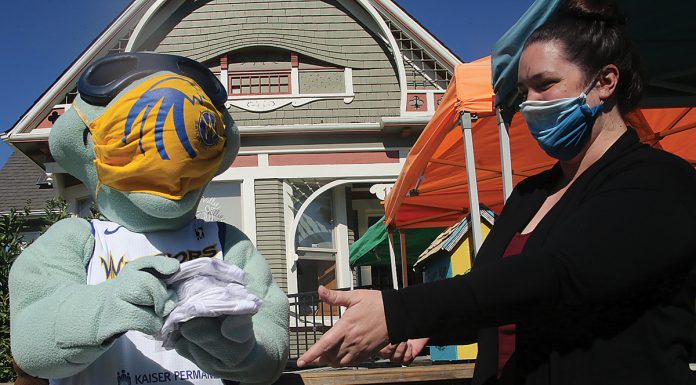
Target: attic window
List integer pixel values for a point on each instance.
(259, 83)
(267, 71)
(263, 79)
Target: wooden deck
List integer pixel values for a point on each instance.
(450, 373)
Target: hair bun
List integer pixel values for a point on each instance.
(597, 10)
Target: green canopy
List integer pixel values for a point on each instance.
(372, 249)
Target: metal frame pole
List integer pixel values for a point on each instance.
(392, 258)
(404, 260)
(466, 123)
(505, 160)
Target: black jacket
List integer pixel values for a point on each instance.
(603, 291)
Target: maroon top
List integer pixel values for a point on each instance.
(506, 333)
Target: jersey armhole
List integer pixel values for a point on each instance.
(222, 232)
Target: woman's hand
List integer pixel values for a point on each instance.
(360, 333)
(404, 352)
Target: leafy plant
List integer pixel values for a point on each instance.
(55, 210)
(12, 225)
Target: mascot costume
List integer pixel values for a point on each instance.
(146, 134)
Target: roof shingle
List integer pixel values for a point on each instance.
(18, 184)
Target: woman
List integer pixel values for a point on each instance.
(588, 273)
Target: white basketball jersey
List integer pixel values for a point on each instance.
(136, 358)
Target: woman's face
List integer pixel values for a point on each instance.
(545, 74)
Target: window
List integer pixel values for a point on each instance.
(315, 229)
(315, 241)
(267, 71)
(259, 83)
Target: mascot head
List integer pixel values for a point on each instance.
(146, 134)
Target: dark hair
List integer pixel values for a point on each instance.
(592, 34)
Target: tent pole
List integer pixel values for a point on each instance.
(404, 260)
(505, 160)
(392, 258)
(474, 211)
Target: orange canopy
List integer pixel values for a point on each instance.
(431, 190)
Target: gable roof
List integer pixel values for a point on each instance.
(138, 12)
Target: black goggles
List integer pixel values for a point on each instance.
(106, 77)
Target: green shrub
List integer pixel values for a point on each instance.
(12, 225)
(11, 245)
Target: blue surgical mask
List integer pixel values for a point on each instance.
(561, 126)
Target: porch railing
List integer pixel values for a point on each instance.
(309, 320)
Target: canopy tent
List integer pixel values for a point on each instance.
(663, 32)
(441, 176)
(372, 248)
(433, 187)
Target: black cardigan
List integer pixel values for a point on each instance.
(603, 291)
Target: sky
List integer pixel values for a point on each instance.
(43, 37)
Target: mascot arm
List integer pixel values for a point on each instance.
(59, 324)
(252, 351)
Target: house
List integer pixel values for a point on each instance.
(329, 96)
(23, 184)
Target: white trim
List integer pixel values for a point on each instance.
(288, 217)
(387, 121)
(262, 159)
(69, 78)
(28, 137)
(141, 23)
(41, 131)
(260, 152)
(430, 99)
(295, 81)
(294, 220)
(404, 120)
(249, 209)
(344, 277)
(225, 80)
(296, 128)
(422, 35)
(312, 171)
(348, 77)
(266, 103)
(396, 51)
(148, 20)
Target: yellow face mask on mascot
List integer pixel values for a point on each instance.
(163, 137)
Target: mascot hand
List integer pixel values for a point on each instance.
(140, 293)
(217, 345)
(136, 299)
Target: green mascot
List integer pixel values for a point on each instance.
(146, 134)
